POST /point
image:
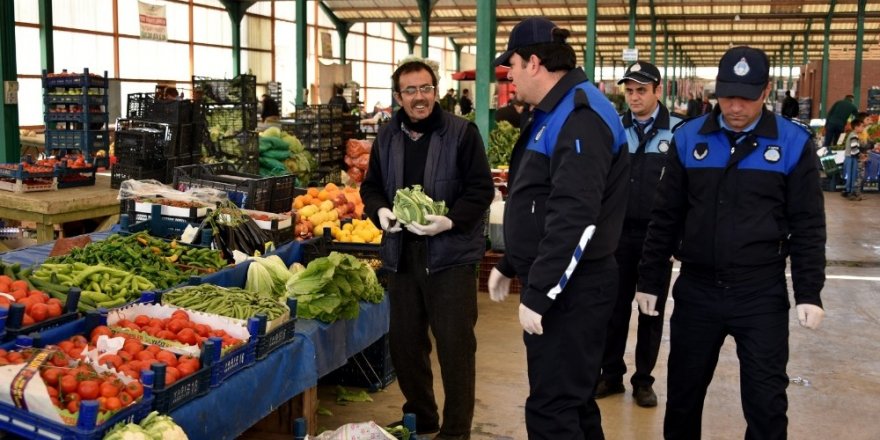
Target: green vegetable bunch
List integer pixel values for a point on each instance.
(501, 141)
(330, 287)
(232, 302)
(411, 205)
(153, 427)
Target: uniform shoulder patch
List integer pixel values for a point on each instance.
(701, 150)
(773, 153)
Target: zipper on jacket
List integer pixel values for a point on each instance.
(533, 206)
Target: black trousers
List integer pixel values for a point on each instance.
(564, 362)
(446, 303)
(705, 314)
(650, 328)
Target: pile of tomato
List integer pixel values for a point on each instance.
(38, 306)
(178, 328)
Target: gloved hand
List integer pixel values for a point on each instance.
(436, 224)
(809, 315)
(499, 285)
(530, 321)
(647, 303)
(388, 221)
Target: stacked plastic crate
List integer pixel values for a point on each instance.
(76, 123)
(226, 120)
(320, 129)
(156, 138)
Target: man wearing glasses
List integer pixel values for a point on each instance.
(434, 265)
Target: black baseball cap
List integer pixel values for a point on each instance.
(531, 31)
(742, 72)
(642, 73)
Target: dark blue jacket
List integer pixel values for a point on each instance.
(569, 170)
(735, 218)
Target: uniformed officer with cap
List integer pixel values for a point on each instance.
(739, 195)
(649, 128)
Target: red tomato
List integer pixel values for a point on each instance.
(68, 384)
(168, 357)
(134, 389)
(100, 330)
(88, 390)
(73, 406)
(50, 376)
(187, 336)
(142, 320)
(54, 310)
(113, 403)
(109, 390)
(180, 314)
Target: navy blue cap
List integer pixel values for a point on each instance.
(742, 72)
(531, 31)
(641, 72)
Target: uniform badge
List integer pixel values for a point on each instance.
(664, 146)
(635, 67)
(742, 67)
(771, 154)
(701, 151)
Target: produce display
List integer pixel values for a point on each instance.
(38, 305)
(501, 141)
(325, 207)
(358, 231)
(173, 329)
(411, 205)
(102, 286)
(232, 302)
(156, 260)
(234, 230)
(132, 358)
(268, 276)
(330, 287)
(153, 427)
(357, 157)
(282, 153)
(64, 382)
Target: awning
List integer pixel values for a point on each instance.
(471, 75)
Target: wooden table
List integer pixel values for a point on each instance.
(50, 208)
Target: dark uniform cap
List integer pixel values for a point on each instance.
(742, 72)
(531, 31)
(642, 73)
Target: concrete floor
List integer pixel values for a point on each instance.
(835, 370)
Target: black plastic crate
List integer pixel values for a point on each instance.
(228, 118)
(121, 172)
(74, 177)
(283, 188)
(371, 368)
(241, 89)
(145, 106)
(317, 111)
(250, 191)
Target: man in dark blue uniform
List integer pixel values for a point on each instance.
(568, 178)
(649, 128)
(740, 194)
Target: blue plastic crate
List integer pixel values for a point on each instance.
(279, 336)
(19, 173)
(84, 79)
(88, 141)
(23, 423)
(80, 99)
(16, 312)
(233, 362)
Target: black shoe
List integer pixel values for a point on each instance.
(645, 396)
(605, 389)
(420, 429)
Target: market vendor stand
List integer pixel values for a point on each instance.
(283, 384)
(50, 208)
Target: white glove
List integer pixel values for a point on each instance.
(436, 224)
(530, 321)
(647, 303)
(499, 286)
(388, 221)
(809, 315)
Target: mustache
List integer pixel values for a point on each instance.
(420, 102)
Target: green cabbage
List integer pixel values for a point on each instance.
(411, 205)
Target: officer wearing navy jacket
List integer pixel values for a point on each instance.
(566, 200)
(649, 128)
(739, 195)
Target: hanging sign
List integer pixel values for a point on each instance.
(153, 23)
(631, 54)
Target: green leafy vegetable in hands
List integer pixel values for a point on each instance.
(411, 205)
(501, 141)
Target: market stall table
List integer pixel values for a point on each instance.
(293, 369)
(50, 208)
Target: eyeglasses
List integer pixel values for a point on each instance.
(426, 89)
